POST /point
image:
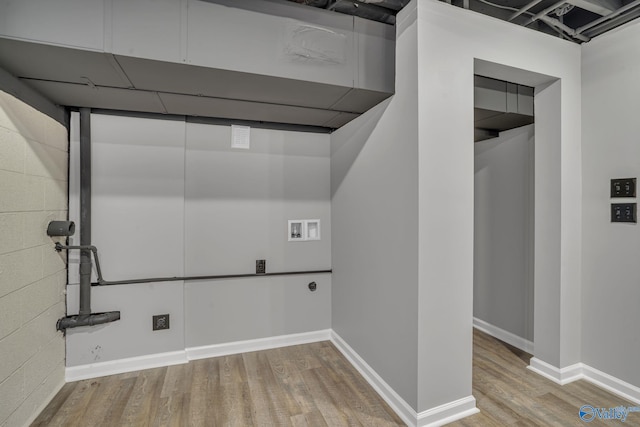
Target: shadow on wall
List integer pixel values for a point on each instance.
(351, 144)
(36, 150)
(45, 140)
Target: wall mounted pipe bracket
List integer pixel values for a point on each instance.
(86, 319)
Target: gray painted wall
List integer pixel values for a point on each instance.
(610, 294)
(451, 41)
(171, 198)
(503, 231)
(237, 205)
(138, 228)
(374, 209)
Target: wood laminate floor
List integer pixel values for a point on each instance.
(508, 394)
(305, 385)
(313, 385)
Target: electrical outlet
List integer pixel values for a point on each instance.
(261, 266)
(623, 212)
(623, 187)
(160, 321)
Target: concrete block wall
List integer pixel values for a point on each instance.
(33, 192)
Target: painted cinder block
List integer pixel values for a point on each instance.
(36, 401)
(33, 193)
(18, 269)
(55, 135)
(38, 297)
(12, 392)
(13, 353)
(20, 117)
(33, 189)
(41, 330)
(12, 147)
(46, 161)
(7, 112)
(53, 262)
(11, 231)
(10, 318)
(42, 364)
(34, 228)
(55, 195)
(12, 190)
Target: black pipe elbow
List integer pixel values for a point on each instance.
(87, 320)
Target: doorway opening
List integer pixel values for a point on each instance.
(504, 177)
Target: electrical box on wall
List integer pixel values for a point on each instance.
(623, 212)
(300, 230)
(623, 187)
(160, 321)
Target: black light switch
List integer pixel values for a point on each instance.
(623, 187)
(623, 212)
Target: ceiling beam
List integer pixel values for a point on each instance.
(600, 7)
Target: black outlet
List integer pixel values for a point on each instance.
(161, 321)
(623, 212)
(623, 187)
(261, 266)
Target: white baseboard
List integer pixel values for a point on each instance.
(438, 416)
(580, 371)
(393, 399)
(612, 384)
(225, 349)
(120, 366)
(559, 376)
(502, 335)
(448, 413)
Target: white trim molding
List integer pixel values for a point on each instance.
(120, 366)
(437, 416)
(448, 413)
(560, 376)
(502, 335)
(225, 349)
(612, 384)
(393, 399)
(580, 371)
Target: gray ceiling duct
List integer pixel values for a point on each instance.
(500, 106)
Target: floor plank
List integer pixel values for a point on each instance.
(508, 394)
(313, 385)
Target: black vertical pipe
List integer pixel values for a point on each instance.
(85, 211)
